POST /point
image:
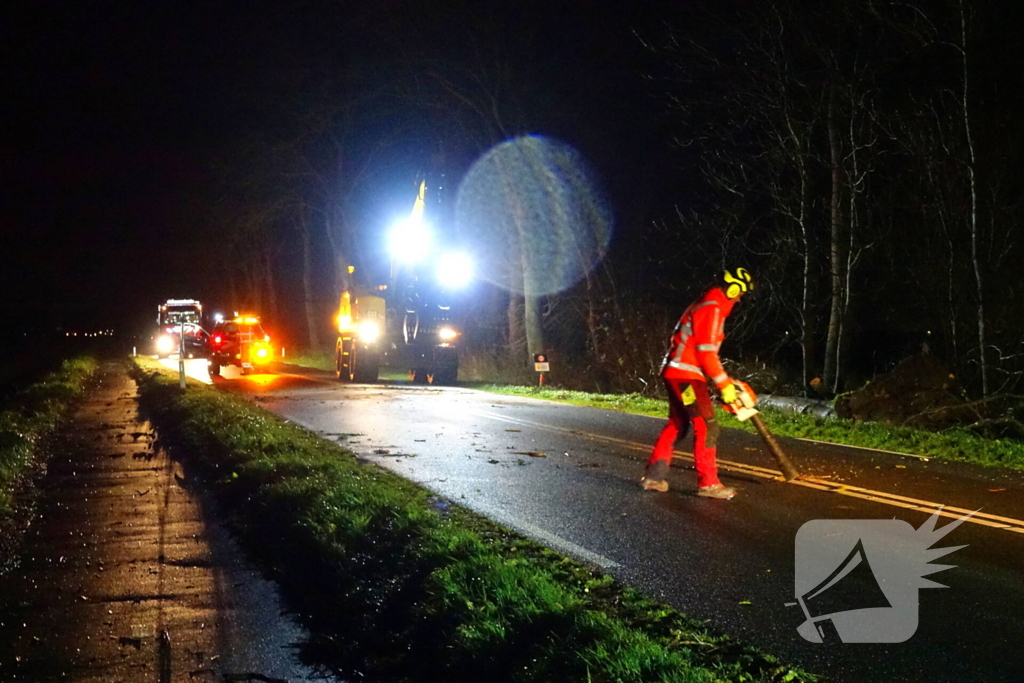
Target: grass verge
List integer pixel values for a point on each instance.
(31, 414)
(959, 444)
(323, 359)
(400, 585)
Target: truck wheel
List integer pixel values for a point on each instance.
(446, 375)
(363, 365)
(344, 358)
(365, 372)
(214, 369)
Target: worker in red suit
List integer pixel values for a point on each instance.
(691, 361)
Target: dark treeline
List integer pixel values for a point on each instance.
(859, 157)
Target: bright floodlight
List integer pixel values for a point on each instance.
(409, 241)
(455, 270)
(369, 330)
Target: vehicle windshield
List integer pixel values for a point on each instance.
(178, 316)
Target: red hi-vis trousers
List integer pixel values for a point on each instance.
(686, 407)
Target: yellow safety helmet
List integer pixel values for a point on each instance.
(737, 281)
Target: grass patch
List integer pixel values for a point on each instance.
(958, 444)
(627, 403)
(323, 359)
(400, 585)
(29, 415)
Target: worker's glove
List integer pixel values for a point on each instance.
(729, 393)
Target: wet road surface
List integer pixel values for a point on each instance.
(567, 476)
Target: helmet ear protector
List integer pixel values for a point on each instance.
(737, 282)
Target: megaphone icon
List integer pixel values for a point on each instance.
(849, 605)
(852, 585)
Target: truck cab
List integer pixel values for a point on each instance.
(180, 320)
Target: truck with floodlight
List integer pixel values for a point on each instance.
(409, 323)
(180, 320)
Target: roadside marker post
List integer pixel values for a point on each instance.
(542, 365)
(181, 355)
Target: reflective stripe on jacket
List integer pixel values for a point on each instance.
(693, 350)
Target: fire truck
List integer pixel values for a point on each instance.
(408, 323)
(177, 317)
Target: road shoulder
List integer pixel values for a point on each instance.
(124, 575)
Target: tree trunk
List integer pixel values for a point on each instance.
(853, 187)
(515, 326)
(253, 299)
(312, 320)
(233, 290)
(593, 325)
(339, 256)
(806, 305)
(838, 263)
(532, 319)
(532, 308)
(973, 219)
(268, 280)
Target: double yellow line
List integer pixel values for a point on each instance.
(982, 518)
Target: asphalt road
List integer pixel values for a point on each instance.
(567, 476)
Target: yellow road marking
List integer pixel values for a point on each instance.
(891, 499)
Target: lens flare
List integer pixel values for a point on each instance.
(533, 215)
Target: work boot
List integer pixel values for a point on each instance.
(654, 478)
(716, 491)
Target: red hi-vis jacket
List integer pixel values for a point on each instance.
(693, 353)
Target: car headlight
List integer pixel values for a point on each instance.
(369, 331)
(447, 334)
(165, 343)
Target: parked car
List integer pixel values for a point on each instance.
(242, 342)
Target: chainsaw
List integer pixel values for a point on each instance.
(744, 410)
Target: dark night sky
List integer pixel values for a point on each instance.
(117, 114)
(116, 111)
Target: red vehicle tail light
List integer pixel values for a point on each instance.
(217, 340)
